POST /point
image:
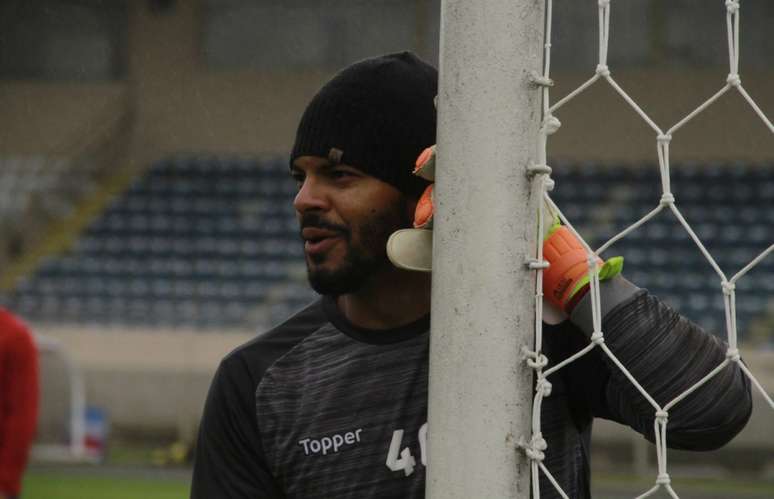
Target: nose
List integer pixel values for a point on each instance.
(311, 196)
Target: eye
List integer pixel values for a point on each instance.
(341, 174)
(298, 178)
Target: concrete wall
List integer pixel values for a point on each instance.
(181, 104)
(149, 381)
(178, 104)
(600, 125)
(250, 112)
(41, 117)
(156, 382)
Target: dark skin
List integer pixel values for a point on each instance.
(346, 216)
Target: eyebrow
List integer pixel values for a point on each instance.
(326, 166)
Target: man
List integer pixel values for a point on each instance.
(312, 407)
(18, 401)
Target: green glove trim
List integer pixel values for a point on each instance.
(555, 224)
(611, 268)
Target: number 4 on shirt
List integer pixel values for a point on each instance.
(406, 462)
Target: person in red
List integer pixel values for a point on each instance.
(19, 394)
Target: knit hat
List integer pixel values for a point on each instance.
(376, 115)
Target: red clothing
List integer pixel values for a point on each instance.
(18, 400)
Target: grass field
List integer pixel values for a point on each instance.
(97, 483)
(605, 486)
(66, 485)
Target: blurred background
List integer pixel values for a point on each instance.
(146, 226)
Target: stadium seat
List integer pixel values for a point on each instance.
(205, 242)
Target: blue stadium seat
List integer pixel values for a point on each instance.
(204, 241)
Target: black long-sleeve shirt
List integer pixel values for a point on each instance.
(312, 408)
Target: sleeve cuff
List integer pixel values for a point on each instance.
(612, 293)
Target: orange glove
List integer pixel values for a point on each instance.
(425, 168)
(566, 281)
(423, 214)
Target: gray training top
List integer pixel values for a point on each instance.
(318, 408)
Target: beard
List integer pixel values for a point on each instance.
(365, 253)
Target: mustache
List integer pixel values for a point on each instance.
(315, 221)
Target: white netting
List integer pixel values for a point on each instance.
(536, 447)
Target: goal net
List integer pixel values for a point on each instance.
(667, 202)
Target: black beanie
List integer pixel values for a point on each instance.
(376, 115)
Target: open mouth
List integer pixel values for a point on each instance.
(318, 246)
(318, 241)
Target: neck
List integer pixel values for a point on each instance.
(390, 299)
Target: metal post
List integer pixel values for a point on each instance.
(485, 229)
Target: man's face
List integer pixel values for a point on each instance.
(346, 217)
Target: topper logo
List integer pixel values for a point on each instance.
(331, 444)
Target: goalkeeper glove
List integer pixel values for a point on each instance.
(566, 280)
(412, 249)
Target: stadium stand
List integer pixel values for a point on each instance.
(196, 242)
(23, 178)
(38, 186)
(209, 242)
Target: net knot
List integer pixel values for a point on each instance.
(548, 184)
(538, 362)
(535, 360)
(544, 386)
(602, 69)
(732, 354)
(551, 124)
(664, 137)
(732, 6)
(662, 416)
(663, 479)
(535, 448)
(539, 80)
(533, 264)
(727, 287)
(597, 338)
(667, 198)
(734, 80)
(534, 169)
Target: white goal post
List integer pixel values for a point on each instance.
(74, 449)
(485, 230)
